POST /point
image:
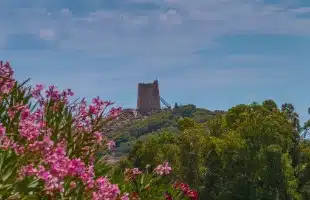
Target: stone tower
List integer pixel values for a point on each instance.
(148, 97)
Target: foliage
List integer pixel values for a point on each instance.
(165, 121)
(250, 152)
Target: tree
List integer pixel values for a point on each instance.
(270, 105)
(250, 152)
(241, 160)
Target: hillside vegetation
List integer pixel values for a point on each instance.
(250, 152)
(166, 120)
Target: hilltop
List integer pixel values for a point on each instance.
(140, 127)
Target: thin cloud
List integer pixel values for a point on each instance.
(186, 24)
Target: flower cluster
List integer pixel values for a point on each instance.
(131, 174)
(6, 78)
(55, 165)
(187, 191)
(163, 169)
(38, 139)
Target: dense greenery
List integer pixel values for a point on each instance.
(256, 151)
(157, 123)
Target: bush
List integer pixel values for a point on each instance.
(54, 148)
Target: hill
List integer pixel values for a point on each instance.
(140, 128)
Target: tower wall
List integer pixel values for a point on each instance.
(148, 97)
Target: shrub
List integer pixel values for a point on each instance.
(54, 148)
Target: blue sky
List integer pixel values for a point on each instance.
(212, 53)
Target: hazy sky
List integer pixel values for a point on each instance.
(212, 53)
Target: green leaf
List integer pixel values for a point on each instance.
(142, 179)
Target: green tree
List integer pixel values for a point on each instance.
(250, 152)
(242, 162)
(270, 105)
(191, 142)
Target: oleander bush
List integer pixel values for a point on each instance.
(54, 147)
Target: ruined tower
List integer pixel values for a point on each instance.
(148, 97)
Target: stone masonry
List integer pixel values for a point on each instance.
(148, 97)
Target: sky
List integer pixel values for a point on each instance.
(211, 53)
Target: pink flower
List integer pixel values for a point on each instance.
(30, 124)
(43, 174)
(114, 112)
(18, 149)
(72, 185)
(76, 167)
(53, 93)
(125, 196)
(98, 137)
(2, 131)
(12, 111)
(111, 144)
(105, 190)
(88, 177)
(6, 87)
(131, 174)
(5, 143)
(36, 93)
(6, 78)
(163, 169)
(136, 171)
(54, 185)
